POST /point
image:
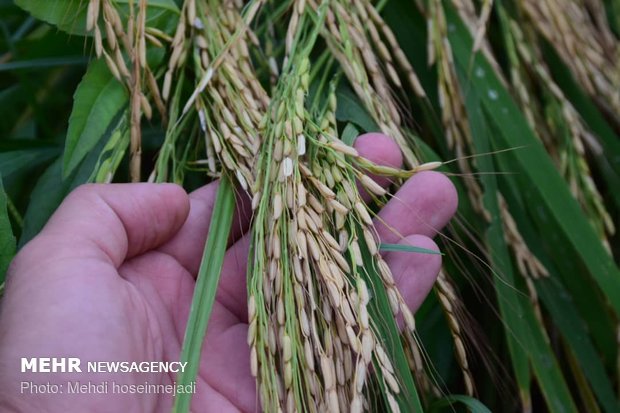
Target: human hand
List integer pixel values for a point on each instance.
(111, 278)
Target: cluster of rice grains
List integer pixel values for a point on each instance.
(551, 114)
(311, 334)
(128, 41)
(579, 33)
(585, 42)
(229, 100)
(369, 55)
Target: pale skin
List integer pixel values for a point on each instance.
(112, 274)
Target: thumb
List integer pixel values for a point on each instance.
(112, 222)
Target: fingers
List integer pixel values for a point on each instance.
(111, 222)
(380, 149)
(414, 273)
(423, 205)
(232, 291)
(225, 366)
(188, 244)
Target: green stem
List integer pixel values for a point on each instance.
(206, 286)
(17, 218)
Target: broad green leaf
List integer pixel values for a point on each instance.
(206, 286)
(98, 100)
(349, 109)
(7, 240)
(51, 189)
(14, 161)
(70, 15)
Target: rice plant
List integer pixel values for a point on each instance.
(517, 101)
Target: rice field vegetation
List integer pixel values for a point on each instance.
(516, 101)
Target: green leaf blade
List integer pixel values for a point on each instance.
(555, 298)
(22, 159)
(408, 399)
(7, 240)
(474, 405)
(524, 331)
(407, 248)
(206, 287)
(537, 170)
(98, 100)
(70, 15)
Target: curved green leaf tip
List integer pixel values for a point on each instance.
(98, 101)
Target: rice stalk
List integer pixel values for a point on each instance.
(310, 219)
(359, 62)
(563, 130)
(586, 45)
(130, 41)
(451, 101)
(449, 300)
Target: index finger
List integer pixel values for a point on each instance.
(423, 205)
(188, 244)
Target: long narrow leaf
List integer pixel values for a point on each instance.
(407, 248)
(379, 309)
(43, 63)
(524, 331)
(204, 292)
(543, 181)
(445, 404)
(565, 313)
(98, 101)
